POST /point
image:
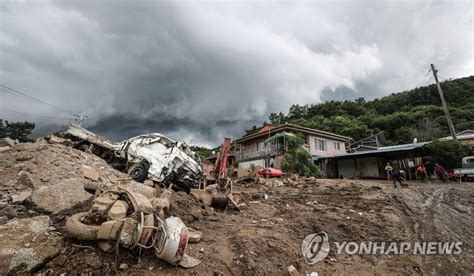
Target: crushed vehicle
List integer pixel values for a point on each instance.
(132, 216)
(152, 156)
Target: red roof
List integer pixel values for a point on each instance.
(266, 128)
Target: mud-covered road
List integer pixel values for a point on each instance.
(265, 237)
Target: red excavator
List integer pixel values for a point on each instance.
(219, 194)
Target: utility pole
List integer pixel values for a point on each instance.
(443, 102)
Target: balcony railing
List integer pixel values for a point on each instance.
(268, 151)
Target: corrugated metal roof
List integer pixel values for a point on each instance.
(459, 137)
(404, 147)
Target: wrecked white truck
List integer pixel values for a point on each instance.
(152, 156)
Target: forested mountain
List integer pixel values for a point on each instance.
(402, 116)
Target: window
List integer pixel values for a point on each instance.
(260, 145)
(337, 145)
(320, 144)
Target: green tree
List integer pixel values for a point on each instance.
(298, 160)
(17, 130)
(448, 153)
(279, 118)
(402, 116)
(202, 152)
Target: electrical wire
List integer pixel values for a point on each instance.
(426, 83)
(36, 115)
(18, 93)
(456, 86)
(423, 81)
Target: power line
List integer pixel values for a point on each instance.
(423, 81)
(426, 83)
(458, 87)
(18, 93)
(36, 115)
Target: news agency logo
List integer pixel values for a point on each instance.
(315, 247)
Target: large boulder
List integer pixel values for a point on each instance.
(26, 245)
(60, 197)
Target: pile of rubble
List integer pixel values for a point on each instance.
(43, 185)
(291, 180)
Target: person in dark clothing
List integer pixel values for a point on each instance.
(440, 172)
(398, 176)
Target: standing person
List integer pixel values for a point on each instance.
(421, 172)
(388, 171)
(398, 176)
(440, 172)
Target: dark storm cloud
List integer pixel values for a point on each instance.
(200, 71)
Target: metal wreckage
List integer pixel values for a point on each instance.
(131, 215)
(153, 156)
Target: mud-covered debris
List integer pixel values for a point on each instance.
(292, 271)
(53, 139)
(106, 246)
(274, 182)
(143, 226)
(91, 173)
(26, 245)
(203, 196)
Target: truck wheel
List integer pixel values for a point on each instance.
(79, 230)
(139, 171)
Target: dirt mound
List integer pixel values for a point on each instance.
(53, 172)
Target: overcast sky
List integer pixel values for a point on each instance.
(199, 71)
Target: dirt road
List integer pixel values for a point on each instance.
(265, 237)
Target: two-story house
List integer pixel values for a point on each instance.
(265, 146)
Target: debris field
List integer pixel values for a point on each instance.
(42, 184)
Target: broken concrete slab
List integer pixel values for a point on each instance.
(60, 197)
(90, 173)
(5, 148)
(21, 197)
(26, 245)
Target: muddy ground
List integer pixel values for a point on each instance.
(265, 236)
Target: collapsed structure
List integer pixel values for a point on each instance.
(152, 156)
